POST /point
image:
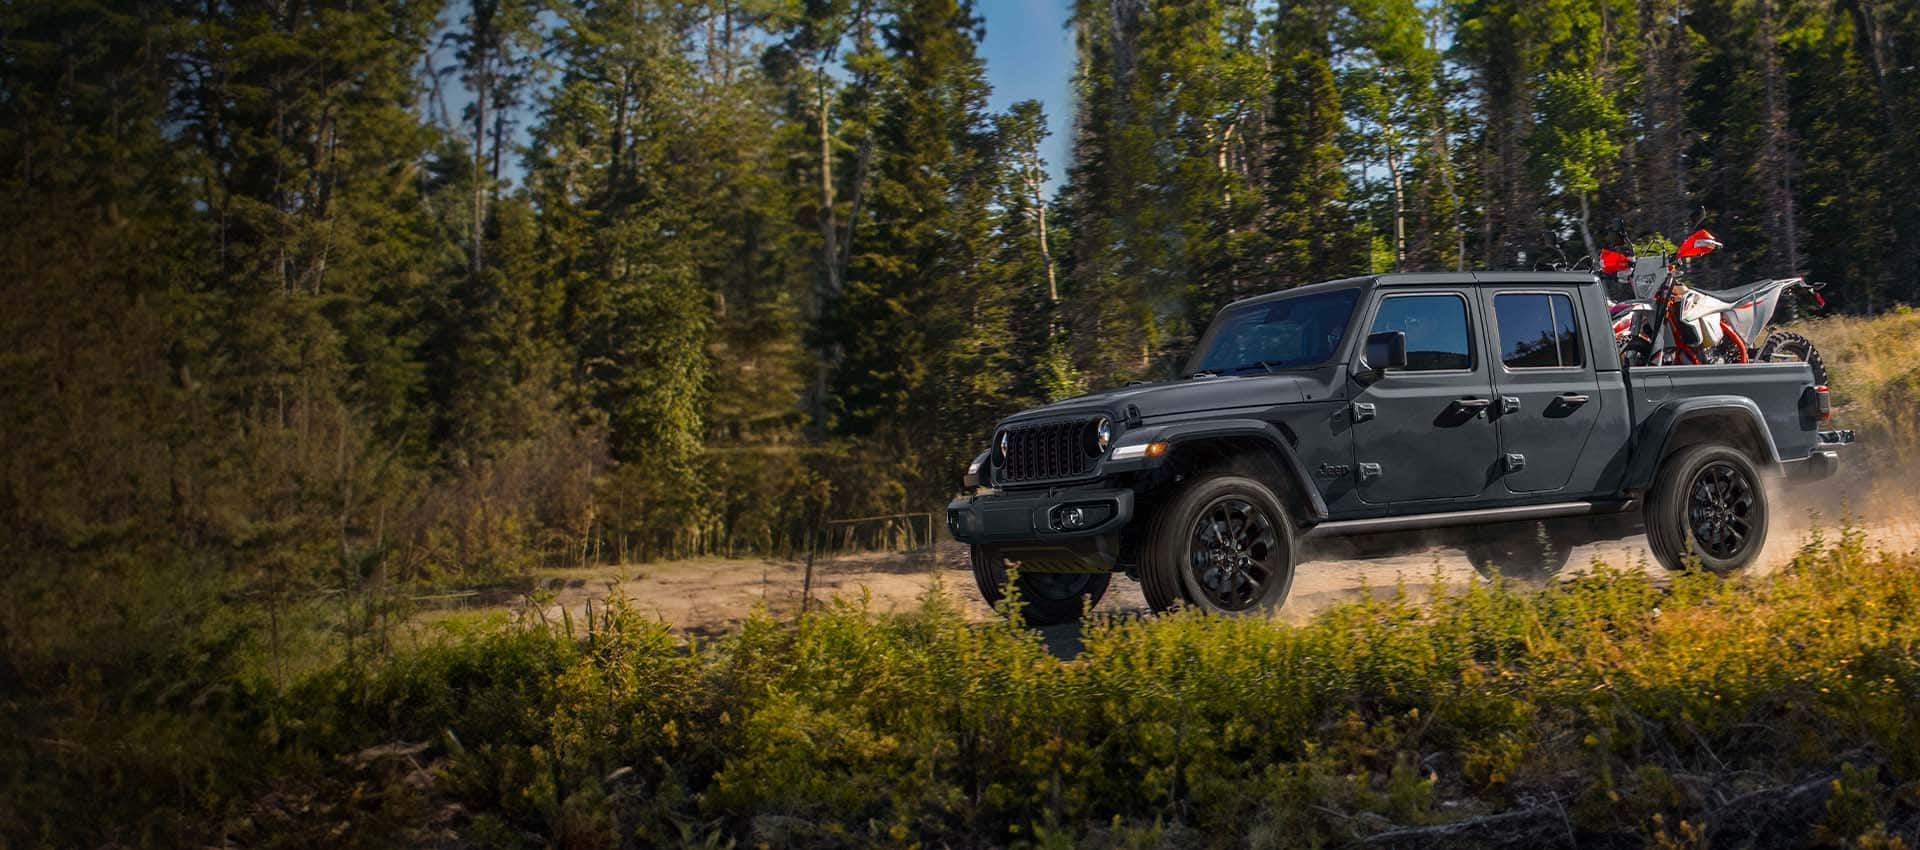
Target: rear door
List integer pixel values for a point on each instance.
(1548, 394)
(1423, 433)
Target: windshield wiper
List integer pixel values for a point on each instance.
(1249, 366)
(1203, 373)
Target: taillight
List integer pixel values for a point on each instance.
(1822, 403)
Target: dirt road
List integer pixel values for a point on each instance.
(711, 595)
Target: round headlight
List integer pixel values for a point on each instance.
(1102, 434)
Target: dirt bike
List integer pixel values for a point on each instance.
(1671, 323)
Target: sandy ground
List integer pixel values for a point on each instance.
(706, 596)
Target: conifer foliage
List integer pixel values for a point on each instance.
(332, 294)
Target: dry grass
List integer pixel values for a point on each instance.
(1875, 366)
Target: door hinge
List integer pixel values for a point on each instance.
(1369, 470)
(1362, 411)
(1516, 462)
(1509, 404)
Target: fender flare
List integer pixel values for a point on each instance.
(1654, 435)
(1188, 433)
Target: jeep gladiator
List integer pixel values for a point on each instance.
(1383, 404)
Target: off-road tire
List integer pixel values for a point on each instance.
(1528, 552)
(1168, 577)
(1793, 346)
(1672, 533)
(1046, 599)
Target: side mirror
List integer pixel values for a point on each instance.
(1385, 350)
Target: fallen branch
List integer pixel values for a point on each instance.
(1540, 826)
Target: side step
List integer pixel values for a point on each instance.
(1481, 516)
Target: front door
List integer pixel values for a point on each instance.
(1549, 396)
(1425, 432)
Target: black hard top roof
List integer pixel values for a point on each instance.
(1429, 279)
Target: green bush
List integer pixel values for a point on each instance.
(1616, 707)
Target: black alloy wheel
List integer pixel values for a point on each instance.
(1719, 509)
(1222, 544)
(1228, 553)
(1707, 507)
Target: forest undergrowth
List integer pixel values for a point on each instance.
(1616, 709)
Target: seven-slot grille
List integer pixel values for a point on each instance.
(1044, 451)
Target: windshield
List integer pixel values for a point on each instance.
(1284, 334)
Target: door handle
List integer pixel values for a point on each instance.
(1473, 403)
(1573, 398)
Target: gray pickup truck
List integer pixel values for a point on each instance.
(1383, 404)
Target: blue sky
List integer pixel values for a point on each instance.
(1029, 54)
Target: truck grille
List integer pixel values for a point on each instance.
(1046, 451)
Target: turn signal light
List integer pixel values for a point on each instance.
(1157, 449)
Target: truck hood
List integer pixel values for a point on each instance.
(1191, 395)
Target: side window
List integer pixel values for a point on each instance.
(1436, 329)
(1537, 329)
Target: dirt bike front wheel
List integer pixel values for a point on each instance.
(1785, 347)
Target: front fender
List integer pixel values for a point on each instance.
(1654, 436)
(1129, 453)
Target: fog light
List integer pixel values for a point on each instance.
(1077, 517)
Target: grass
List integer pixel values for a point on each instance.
(1611, 710)
(1875, 367)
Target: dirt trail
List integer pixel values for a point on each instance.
(712, 595)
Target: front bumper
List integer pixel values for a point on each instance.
(1063, 531)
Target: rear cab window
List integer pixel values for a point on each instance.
(1537, 330)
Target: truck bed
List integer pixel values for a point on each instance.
(1775, 391)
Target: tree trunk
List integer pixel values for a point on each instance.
(1777, 147)
(1046, 254)
(483, 93)
(830, 285)
(1870, 39)
(1399, 203)
(862, 162)
(617, 143)
(1586, 228)
(829, 225)
(1035, 180)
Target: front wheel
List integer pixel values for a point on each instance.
(1223, 544)
(1707, 504)
(1784, 347)
(1046, 599)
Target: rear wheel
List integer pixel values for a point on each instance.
(1529, 552)
(1047, 599)
(1224, 544)
(1730, 350)
(1784, 347)
(1707, 503)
